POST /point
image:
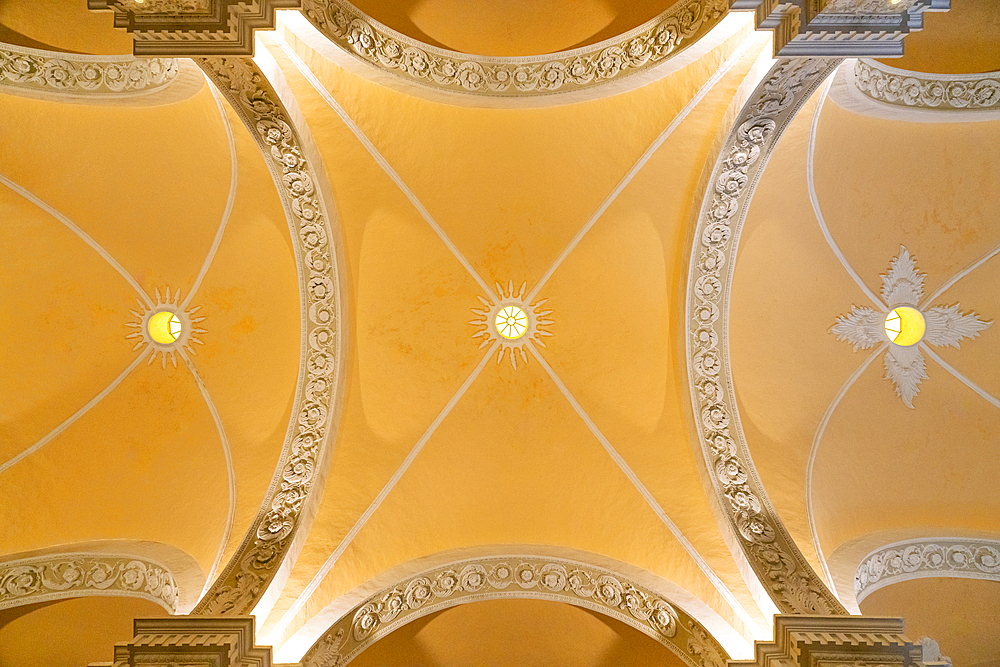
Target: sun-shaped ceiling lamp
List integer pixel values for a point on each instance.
(166, 327)
(509, 321)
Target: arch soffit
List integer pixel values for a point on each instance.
(612, 66)
(773, 555)
(97, 80)
(868, 559)
(657, 607)
(153, 571)
(298, 479)
(870, 88)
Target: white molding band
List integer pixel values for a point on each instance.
(256, 561)
(927, 557)
(61, 576)
(779, 564)
(413, 61)
(870, 88)
(518, 577)
(948, 92)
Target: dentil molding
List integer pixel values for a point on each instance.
(61, 576)
(192, 642)
(530, 577)
(775, 558)
(933, 557)
(255, 563)
(836, 641)
(48, 72)
(916, 90)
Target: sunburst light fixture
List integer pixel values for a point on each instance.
(511, 322)
(165, 327)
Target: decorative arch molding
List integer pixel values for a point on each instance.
(414, 62)
(513, 572)
(774, 557)
(927, 557)
(299, 476)
(870, 88)
(118, 80)
(159, 573)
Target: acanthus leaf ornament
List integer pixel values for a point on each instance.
(905, 365)
(515, 577)
(244, 579)
(781, 567)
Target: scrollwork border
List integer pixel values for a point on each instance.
(917, 90)
(650, 44)
(777, 561)
(73, 575)
(259, 556)
(928, 557)
(526, 577)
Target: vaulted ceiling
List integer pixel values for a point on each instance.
(443, 444)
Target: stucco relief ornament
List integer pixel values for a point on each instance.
(166, 327)
(902, 289)
(509, 321)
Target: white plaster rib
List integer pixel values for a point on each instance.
(382, 162)
(958, 276)
(705, 568)
(82, 234)
(304, 596)
(231, 475)
(76, 415)
(988, 397)
(811, 185)
(640, 163)
(234, 172)
(817, 438)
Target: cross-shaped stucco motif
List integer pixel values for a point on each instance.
(945, 326)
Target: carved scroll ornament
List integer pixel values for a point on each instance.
(516, 577)
(915, 90)
(246, 576)
(78, 575)
(640, 49)
(790, 581)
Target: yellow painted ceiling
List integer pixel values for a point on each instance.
(517, 633)
(512, 27)
(512, 462)
(879, 466)
(148, 185)
(61, 25)
(963, 40)
(87, 630)
(959, 614)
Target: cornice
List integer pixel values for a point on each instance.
(51, 73)
(775, 558)
(918, 90)
(61, 576)
(245, 578)
(640, 49)
(929, 557)
(532, 577)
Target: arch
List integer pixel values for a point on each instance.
(153, 571)
(657, 607)
(863, 565)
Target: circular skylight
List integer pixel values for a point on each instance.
(164, 327)
(904, 326)
(511, 322)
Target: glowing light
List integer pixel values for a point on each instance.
(904, 326)
(511, 322)
(164, 327)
